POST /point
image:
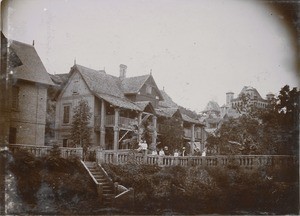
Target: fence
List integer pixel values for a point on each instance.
(40, 151)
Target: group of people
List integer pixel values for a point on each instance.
(165, 151)
(143, 147)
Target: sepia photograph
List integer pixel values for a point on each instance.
(149, 107)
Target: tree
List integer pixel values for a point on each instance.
(236, 136)
(80, 131)
(281, 121)
(273, 130)
(172, 134)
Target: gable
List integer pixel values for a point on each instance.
(150, 88)
(139, 85)
(132, 85)
(75, 86)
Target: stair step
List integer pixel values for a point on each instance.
(102, 179)
(97, 174)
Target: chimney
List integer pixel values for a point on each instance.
(123, 71)
(229, 97)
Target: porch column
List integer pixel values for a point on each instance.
(102, 124)
(116, 129)
(192, 138)
(139, 136)
(154, 133)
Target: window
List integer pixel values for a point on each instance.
(15, 98)
(12, 135)
(149, 89)
(65, 142)
(66, 117)
(75, 87)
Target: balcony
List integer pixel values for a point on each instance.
(188, 133)
(124, 123)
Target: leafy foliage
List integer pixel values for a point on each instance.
(261, 131)
(172, 135)
(80, 131)
(213, 190)
(237, 136)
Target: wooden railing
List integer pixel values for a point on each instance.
(40, 151)
(123, 122)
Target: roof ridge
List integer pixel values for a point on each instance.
(15, 41)
(138, 76)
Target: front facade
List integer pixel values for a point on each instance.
(25, 95)
(250, 95)
(118, 104)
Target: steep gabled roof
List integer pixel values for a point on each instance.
(166, 112)
(212, 106)
(132, 85)
(186, 118)
(59, 79)
(144, 104)
(99, 82)
(30, 67)
(167, 101)
(250, 88)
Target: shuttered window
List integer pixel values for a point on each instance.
(66, 117)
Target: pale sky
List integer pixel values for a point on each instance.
(197, 49)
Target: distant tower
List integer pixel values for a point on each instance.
(270, 96)
(123, 69)
(229, 97)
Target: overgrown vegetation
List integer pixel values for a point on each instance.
(62, 186)
(194, 190)
(53, 182)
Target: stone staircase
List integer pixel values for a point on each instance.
(101, 178)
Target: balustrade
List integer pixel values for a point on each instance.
(124, 156)
(40, 151)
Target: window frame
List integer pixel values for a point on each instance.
(66, 113)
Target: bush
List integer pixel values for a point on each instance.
(24, 165)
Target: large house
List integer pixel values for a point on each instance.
(24, 83)
(213, 115)
(118, 104)
(250, 96)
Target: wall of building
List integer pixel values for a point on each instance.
(74, 91)
(29, 118)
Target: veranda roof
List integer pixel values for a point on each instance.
(118, 102)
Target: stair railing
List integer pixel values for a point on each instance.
(98, 185)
